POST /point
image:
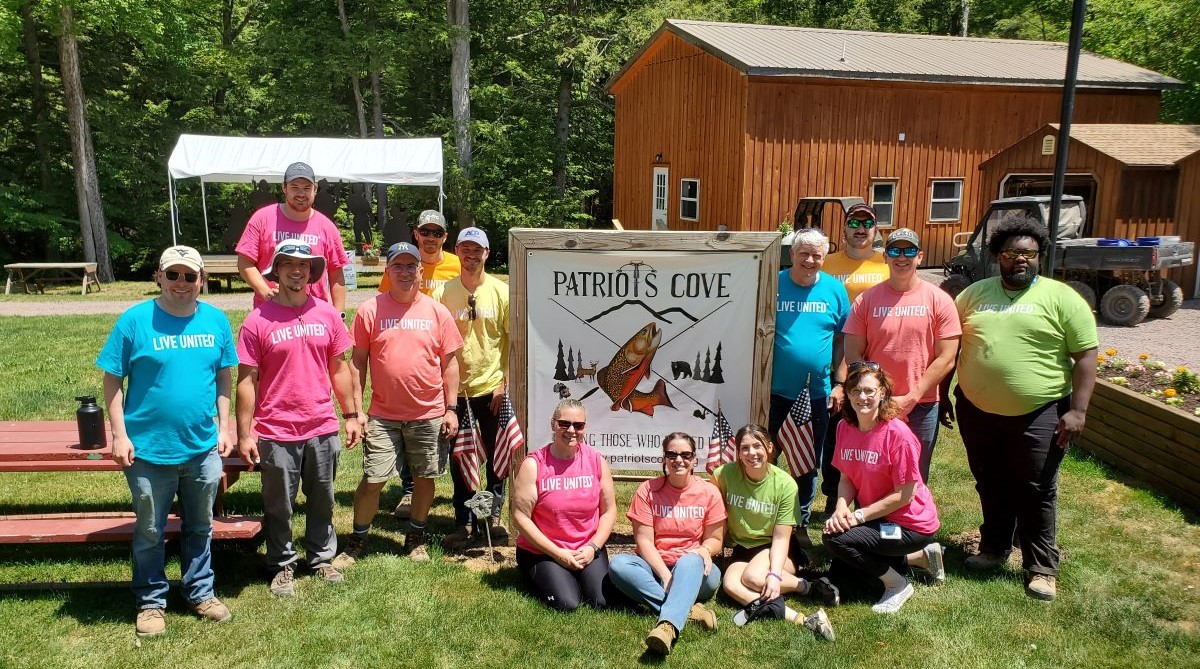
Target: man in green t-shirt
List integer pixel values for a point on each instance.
(1026, 370)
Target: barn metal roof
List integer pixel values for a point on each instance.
(763, 50)
(1139, 145)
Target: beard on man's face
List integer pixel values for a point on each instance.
(1019, 277)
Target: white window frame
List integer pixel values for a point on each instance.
(683, 199)
(894, 183)
(957, 181)
(660, 193)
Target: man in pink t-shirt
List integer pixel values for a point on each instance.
(911, 328)
(295, 220)
(290, 352)
(406, 342)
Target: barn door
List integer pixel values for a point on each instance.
(658, 211)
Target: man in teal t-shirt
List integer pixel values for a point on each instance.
(166, 376)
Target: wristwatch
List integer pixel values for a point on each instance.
(453, 408)
(348, 416)
(859, 517)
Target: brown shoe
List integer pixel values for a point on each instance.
(985, 561)
(151, 622)
(404, 508)
(283, 583)
(329, 574)
(1042, 586)
(355, 546)
(459, 538)
(414, 545)
(212, 609)
(707, 620)
(661, 638)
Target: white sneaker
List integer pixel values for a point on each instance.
(819, 624)
(892, 600)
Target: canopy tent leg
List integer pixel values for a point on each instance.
(204, 206)
(174, 211)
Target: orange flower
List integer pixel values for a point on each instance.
(1100, 357)
(1111, 351)
(1169, 392)
(1144, 356)
(1181, 368)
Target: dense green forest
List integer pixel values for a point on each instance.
(538, 147)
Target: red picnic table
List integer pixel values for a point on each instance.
(53, 446)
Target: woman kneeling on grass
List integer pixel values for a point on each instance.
(895, 519)
(564, 506)
(678, 523)
(760, 499)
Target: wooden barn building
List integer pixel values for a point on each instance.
(1136, 180)
(730, 124)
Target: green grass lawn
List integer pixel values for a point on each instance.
(1127, 586)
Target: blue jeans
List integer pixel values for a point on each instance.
(807, 483)
(633, 576)
(153, 488)
(923, 421)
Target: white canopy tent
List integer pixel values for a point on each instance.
(405, 162)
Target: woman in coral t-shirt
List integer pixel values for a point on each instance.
(895, 520)
(678, 524)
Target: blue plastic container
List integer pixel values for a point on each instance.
(1148, 241)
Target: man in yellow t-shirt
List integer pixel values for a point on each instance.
(437, 266)
(479, 304)
(858, 265)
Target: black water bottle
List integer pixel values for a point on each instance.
(90, 419)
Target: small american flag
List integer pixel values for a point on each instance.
(509, 439)
(721, 448)
(467, 454)
(796, 436)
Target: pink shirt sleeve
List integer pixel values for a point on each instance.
(247, 342)
(450, 339)
(639, 506)
(856, 324)
(251, 242)
(945, 316)
(363, 325)
(716, 508)
(335, 254)
(905, 454)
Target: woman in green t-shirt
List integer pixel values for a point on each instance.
(760, 500)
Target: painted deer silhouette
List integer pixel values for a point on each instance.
(586, 371)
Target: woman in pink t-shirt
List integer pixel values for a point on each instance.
(895, 520)
(564, 506)
(678, 523)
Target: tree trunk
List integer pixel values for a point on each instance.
(358, 98)
(37, 92)
(966, 16)
(377, 119)
(460, 69)
(562, 130)
(92, 226)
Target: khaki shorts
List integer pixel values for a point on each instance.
(417, 441)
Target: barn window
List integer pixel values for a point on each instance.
(883, 201)
(689, 199)
(946, 203)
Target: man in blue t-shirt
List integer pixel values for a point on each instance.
(166, 376)
(809, 314)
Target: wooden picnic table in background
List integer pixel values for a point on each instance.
(33, 274)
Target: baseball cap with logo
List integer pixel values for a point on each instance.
(431, 217)
(473, 235)
(299, 171)
(181, 255)
(904, 235)
(292, 248)
(860, 209)
(402, 248)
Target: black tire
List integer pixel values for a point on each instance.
(1085, 291)
(954, 284)
(1172, 298)
(1124, 305)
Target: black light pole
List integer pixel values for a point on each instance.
(1064, 127)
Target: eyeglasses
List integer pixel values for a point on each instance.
(907, 252)
(676, 455)
(860, 222)
(303, 249)
(471, 304)
(437, 233)
(402, 267)
(172, 275)
(1013, 254)
(566, 425)
(864, 392)
(870, 365)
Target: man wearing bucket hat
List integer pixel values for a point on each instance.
(295, 219)
(407, 343)
(166, 386)
(290, 350)
(437, 265)
(479, 304)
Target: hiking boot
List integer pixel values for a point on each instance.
(984, 561)
(825, 592)
(892, 600)
(329, 573)
(937, 566)
(414, 545)
(356, 545)
(459, 538)
(212, 609)
(151, 622)
(282, 584)
(1042, 586)
(660, 638)
(499, 532)
(819, 624)
(404, 508)
(706, 619)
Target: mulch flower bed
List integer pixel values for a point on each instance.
(1176, 386)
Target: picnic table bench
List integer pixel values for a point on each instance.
(33, 275)
(221, 267)
(53, 446)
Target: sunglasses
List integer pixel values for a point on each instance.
(172, 275)
(437, 233)
(303, 249)
(1013, 254)
(676, 455)
(471, 304)
(907, 252)
(566, 425)
(870, 365)
(860, 223)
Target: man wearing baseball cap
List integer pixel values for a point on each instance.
(291, 351)
(167, 384)
(437, 265)
(479, 304)
(911, 328)
(407, 343)
(294, 220)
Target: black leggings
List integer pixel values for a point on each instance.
(862, 548)
(565, 589)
